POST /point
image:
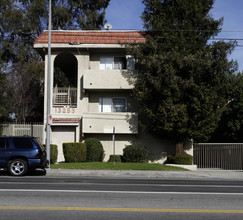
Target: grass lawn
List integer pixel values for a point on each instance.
(117, 166)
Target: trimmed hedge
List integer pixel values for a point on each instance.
(95, 151)
(183, 158)
(118, 158)
(53, 153)
(74, 152)
(136, 153)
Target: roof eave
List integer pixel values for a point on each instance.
(70, 45)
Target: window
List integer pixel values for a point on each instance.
(113, 104)
(22, 143)
(117, 63)
(119, 105)
(106, 63)
(130, 62)
(4, 143)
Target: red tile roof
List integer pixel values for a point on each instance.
(92, 37)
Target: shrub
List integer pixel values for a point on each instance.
(118, 158)
(183, 158)
(170, 159)
(136, 153)
(53, 153)
(74, 152)
(95, 151)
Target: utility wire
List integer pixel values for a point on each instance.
(112, 34)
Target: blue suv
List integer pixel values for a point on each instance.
(20, 154)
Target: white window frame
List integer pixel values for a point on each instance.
(108, 62)
(106, 104)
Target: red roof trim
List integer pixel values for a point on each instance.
(66, 120)
(92, 37)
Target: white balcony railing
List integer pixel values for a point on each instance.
(64, 96)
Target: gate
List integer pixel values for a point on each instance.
(20, 129)
(225, 156)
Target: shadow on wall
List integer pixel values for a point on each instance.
(133, 122)
(188, 147)
(159, 148)
(130, 76)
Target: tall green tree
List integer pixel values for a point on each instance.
(184, 78)
(21, 21)
(66, 14)
(230, 128)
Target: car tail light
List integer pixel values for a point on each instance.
(39, 154)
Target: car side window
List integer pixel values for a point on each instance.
(22, 143)
(2, 143)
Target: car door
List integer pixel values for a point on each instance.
(5, 152)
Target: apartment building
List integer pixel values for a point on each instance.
(91, 84)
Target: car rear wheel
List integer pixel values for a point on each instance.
(17, 167)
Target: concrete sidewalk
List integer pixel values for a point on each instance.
(198, 174)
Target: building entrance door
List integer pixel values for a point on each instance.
(60, 135)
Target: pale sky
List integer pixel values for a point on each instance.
(125, 15)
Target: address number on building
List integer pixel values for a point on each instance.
(65, 110)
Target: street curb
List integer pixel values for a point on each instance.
(188, 167)
(202, 174)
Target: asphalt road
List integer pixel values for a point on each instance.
(45, 197)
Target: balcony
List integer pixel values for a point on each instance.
(103, 123)
(65, 96)
(108, 79)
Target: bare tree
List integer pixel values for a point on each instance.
(25, 90)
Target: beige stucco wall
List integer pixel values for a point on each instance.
(120, 142)
(108, 79)
(159, 148)
(122, 122)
